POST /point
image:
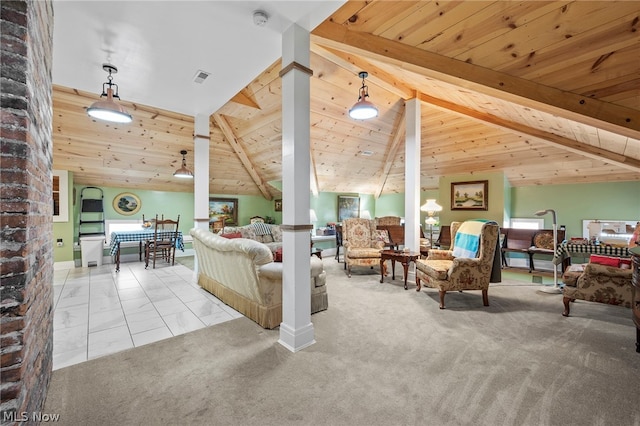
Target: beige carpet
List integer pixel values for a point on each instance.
(384, 356)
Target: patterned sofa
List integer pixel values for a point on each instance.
(265, 233)
(597, 283)
(241, 273)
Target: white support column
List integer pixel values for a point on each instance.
(412, 175)
(201, 171)
(296, 329)
(201, 141)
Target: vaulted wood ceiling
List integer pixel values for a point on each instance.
(545, 92)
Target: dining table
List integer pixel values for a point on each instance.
(566, 250)
(118, 237)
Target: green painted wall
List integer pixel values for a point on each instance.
(575, 203)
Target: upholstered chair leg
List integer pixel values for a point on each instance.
(442, 294)
(485, 297)
(567, 308)
(418, 285)
(349, 271)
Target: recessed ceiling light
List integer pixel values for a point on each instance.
(201, 76)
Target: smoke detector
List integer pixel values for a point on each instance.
(260, 18)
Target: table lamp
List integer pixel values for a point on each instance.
(431, 207)
(556, 288)
(430, 221)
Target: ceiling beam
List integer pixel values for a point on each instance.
(398, 138)
(227, 131)
(614, 118)
(355, 64)
(571, 145)
(243, 98)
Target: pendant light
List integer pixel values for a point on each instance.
(183, 172)
(363, 109)
(109, 110)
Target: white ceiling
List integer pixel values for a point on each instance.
(158, 47)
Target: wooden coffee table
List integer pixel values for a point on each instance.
(404, 257)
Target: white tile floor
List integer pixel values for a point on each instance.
(98, 311)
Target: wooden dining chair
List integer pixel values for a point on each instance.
(163, 244)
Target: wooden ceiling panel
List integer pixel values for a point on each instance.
(504, 102)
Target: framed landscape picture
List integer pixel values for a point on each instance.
(127, 204)
(348, 207)
(470, 195)
(223, 209)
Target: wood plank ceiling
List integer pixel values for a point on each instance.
(545, 92)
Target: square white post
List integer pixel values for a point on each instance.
(296, 329)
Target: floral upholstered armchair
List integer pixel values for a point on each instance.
(597, 283)
(361, 246)
(446, 272)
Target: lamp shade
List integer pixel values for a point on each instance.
(312, 215)
(365, 214)
(109, 110)
(183, 171)
(431, 206)
(363, 109)
(430, 220)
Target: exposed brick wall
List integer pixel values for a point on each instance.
(26, 238)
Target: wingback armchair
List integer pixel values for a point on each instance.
(445, 272)
(598, 283)
(361, 246)
(388, 220)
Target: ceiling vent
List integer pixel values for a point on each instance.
(201, 76)
(367, 153)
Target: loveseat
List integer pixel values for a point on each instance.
(242, 274)
(265, 233)
(596, 282)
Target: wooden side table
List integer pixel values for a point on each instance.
(404, 257)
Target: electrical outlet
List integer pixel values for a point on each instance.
(59, 242)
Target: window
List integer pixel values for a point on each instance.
(60, 195)
(121, 225)
(523, 223)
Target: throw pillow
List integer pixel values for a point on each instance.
(277, 255)
(604, 260)
(382, 235)
(625, 263)
(232, 235)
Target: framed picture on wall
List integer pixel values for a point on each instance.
(348, 207)
(223, 210)
(127, 204)
(470, 195)
(277, 204)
